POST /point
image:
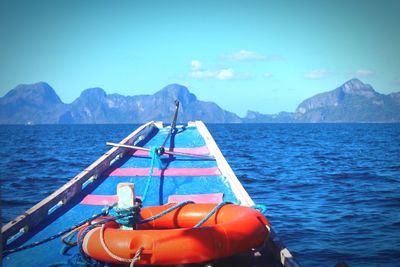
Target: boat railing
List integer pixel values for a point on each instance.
(223, 165)
(25, 224)
(278, 249)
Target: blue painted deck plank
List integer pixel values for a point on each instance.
(160, 190)
(188, 137)
(181, 162)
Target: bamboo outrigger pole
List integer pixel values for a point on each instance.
(164, 152)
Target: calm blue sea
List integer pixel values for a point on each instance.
(332, 190)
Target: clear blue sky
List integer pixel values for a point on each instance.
(259, 55)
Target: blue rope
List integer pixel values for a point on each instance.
(177, 206)
(87, 259)
(155, 160)
(214, 210)
(68, 244)
(35, 244)
(132, 214)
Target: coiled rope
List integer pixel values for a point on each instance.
(124, 215)
(102, 222)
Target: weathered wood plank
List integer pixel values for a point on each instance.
(35, 215)
(224, 167)
(278, 249)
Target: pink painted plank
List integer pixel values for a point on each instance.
(198, 198)
(203, 150)
(100, 200)
(107, 200)
(168, 172)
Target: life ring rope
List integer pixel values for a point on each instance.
(124, 215)
(214, 210)
(138, 253)
(88, 225)
(228, 234)
(132, 261)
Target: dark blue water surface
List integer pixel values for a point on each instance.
(332, 190)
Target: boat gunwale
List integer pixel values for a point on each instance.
(278, 249)
(224, 166)
(35, 215)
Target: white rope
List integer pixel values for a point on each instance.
(136, 258)
(132, 261)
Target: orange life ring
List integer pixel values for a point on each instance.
(171, 239)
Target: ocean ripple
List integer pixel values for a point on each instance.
(332, 191)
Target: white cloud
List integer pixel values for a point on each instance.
(316, 74)
(225, 74)
(244, 55)
(222, 74)
(199, 72)
(202, 74)
(363, 73)
(196, 64)
(267, 75)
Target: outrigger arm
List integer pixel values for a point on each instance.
(164, 152)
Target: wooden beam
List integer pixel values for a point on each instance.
(278, 249)
(224, 167)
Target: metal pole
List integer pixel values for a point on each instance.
(173, 125)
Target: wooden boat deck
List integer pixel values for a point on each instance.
(95, 187)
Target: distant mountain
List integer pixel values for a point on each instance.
(39, 104)
(395, 97)
(31, 103)
(256, 117)
(354, 101)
